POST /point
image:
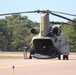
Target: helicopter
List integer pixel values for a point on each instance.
(49, 41)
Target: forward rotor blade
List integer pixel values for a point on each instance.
(63, 17)
(63, 13)
(17, 13)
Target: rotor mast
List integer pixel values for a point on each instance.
(44, 24)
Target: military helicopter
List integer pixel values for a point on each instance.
(49, 42)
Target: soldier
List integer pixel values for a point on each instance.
(25, 52)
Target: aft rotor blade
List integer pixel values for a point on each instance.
(63, 17)
(63, 13)
(52, 22)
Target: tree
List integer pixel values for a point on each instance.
(3, 30)
(15, 32)
(70, 30)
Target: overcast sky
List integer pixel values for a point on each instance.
(68, 6)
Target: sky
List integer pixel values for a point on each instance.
(10, 6)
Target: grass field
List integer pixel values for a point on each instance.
(11, 55)
(17, 55)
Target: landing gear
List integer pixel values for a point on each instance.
(30, 57)
(59, 57)
(65, 57)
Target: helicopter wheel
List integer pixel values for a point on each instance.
(59, 57)
(65, 57)
(30, 57)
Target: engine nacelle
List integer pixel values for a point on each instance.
(34, 31)
(56, 31)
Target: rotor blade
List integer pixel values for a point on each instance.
(63, 17)
(63, 13)
(52, 22)
(17, 13)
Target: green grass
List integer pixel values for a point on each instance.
(11, 57)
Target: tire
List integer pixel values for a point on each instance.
(64, 56)
(30, 57)
(59, 57)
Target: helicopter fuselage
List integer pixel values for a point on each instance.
(48, 43)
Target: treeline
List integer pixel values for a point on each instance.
(70, 30)
(15, 33)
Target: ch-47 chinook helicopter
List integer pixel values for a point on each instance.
(49, 42)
